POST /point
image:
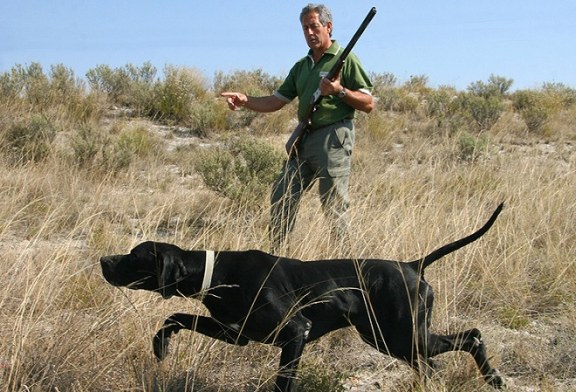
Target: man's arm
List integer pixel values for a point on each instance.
(265, 104)
(357, 99)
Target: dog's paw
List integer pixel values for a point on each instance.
(494, 379)
(160, 344)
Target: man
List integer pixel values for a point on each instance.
(324, 152)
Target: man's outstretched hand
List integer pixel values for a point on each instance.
(235, 100)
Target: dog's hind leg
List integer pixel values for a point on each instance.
(471, 342)
(401, 345)
(204, 325)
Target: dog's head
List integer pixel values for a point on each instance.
(152, 266)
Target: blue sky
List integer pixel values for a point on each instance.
(452, 42)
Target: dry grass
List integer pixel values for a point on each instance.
(62, 328)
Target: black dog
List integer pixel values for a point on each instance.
(252, 295)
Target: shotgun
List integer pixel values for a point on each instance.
(304, 125)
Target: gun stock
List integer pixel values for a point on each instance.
(303, 126)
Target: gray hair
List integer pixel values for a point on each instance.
(324, 14)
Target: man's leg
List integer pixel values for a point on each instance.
(285, 199)
(334, 181)
(335, 204)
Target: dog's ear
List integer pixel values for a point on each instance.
(171, 271)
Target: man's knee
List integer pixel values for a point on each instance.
(334, 192)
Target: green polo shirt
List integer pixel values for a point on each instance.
(304, 78)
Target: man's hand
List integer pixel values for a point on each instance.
(235, 100)
(328, 87)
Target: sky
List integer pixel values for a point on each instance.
(451, 42)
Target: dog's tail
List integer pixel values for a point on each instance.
(421, 264)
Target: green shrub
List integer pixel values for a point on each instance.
(382, 82)
(58, 96)
(88, 143)
(496, 86)
(398, 100)
(417, 84)
(36, 86)
(256, 82)
(96, 149)
(176, 94)
(559, 95)
(532, 107)
(313, 377)
(242, 171)
(130, 144)
(207, 115)
(69, 95)
(438, 103)
(63, 84)
(536, 118)
(11, 85)
(129, 86)
(513, 317)
(471, 147)
(112, 82)
(483, 112)
(28, 139)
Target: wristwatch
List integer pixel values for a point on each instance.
(342, 93)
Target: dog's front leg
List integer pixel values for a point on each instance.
(292, 339)
(204, 325)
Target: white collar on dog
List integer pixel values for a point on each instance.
(208, 270)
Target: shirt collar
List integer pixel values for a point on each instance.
(332, 50)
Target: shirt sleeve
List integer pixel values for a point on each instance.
(288, 90)
(354, 77)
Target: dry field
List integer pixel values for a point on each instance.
(62, 328)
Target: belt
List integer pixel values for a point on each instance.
(312, 129)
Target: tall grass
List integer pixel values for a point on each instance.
(76, 185)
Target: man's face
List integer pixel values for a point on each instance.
(317, 36)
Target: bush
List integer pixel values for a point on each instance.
(28, 140)
(256, 82)
(207, 115)
(131, 143)
(242, 171)
(559, 95)
(129, 86)
(70, 96)
(382, 82)
(398, 100)
(531, 106)
(36, 86)
(417, 84)
(11, 85)
(87, 144)
(496, 86)
(94, 148)
(439, 103)
(471, 147)
(58, 96)
(483, 112)
(180, 89)
(313, 377)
